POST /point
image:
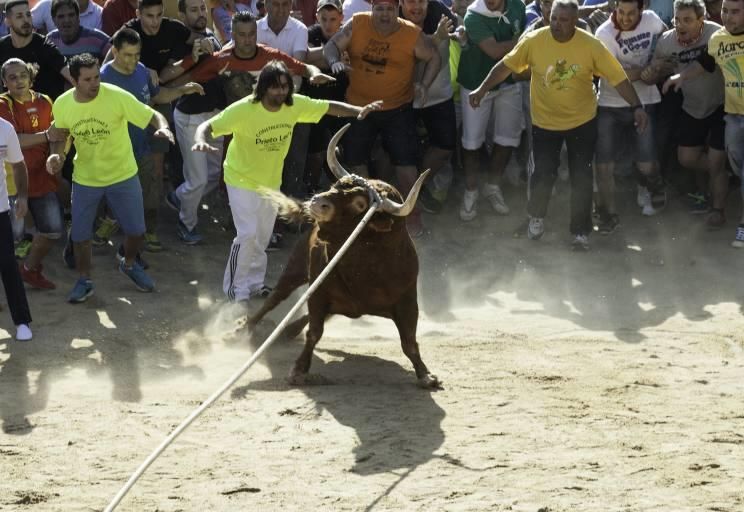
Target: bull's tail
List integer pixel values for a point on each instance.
(289, 208)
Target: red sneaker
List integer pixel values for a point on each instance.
(35, 278)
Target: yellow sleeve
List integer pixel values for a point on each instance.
(518, 60)
(606, 65)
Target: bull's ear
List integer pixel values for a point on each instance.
(359, 204)
(382, 225)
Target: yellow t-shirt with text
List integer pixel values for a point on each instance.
(728, 52)
(562, 94)
(261, 138)
(101, 134)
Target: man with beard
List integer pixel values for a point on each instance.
(23, 43)
(726, 49)
(254, 161)
(701, 123)
(71, 37)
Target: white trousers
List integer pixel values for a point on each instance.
(201, 171)
(254, 217)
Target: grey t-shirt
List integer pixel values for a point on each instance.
(702, 94)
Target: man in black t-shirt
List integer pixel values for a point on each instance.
(330, 17)
(23, 43)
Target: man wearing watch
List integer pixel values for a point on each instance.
(97, 116)
(563, 62)
(383, 50)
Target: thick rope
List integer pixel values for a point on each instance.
(227, 385)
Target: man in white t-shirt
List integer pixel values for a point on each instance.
(15, 293)
(630, 35)
(90, 16)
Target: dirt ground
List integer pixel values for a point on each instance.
(611, 380)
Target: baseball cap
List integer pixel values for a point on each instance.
(336, 4)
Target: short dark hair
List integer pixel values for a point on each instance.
(639, 3)
(697, 5)
(242, 17)
(56, 4)
(149, 3)
(270, 77)
(124, 36)
(84, 60)
(14, 3)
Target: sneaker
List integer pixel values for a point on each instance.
(187, 236)
(608, 223)
(23, 333)
(262, 292)
(659, 200)
(643, 196)
(535, 228)
(35, 278)
(415, 225)
(716, 219)
(137, 274)
(739, 239)
(580, 243)
(106, 229)
(68, 255)
(699, 203)
(275, 243)
(428, 202)
(152, 243)
(172, 200)
(138, 259)
(81, 291)
(496, 198)
(23, 248)
(468, 208)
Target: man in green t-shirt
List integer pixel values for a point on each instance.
(254, 161)
(96, 114)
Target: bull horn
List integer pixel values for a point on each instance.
(337, 169)
(402, 210)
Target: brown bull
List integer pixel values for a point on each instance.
(377, 275)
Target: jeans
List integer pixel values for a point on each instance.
(124, 199)
(580, 143)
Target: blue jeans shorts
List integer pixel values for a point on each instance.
(47, 214)
(124, 199)
(617, 123)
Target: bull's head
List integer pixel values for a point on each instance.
(388, 205)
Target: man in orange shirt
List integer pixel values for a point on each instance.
(383, 50)
(30, 113)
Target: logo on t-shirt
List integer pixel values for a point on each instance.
(91, 131)
(375, 56)
(273, 137)
(733, 70)
(559, 75)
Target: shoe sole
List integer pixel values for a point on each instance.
(81, 299)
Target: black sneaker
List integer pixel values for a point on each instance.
(276, 243)
(428, 202)
(120, 257)
(608, 224)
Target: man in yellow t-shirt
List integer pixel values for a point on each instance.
(563, 62)
(254, 160)
(96, 114)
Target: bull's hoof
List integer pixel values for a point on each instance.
(297, 378)
(429, 381)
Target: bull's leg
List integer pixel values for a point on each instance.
(314, 332)
(405, 316)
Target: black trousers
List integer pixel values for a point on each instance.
(15, 293)
(546, 148)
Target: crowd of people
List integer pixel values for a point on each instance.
(111, 110)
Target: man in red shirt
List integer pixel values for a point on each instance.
(116, 13)
(30, 113)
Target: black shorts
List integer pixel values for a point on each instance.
(398, 130)
(700, 132)
(440, 123)
(321, 133)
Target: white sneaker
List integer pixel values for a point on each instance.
(535, 228)
(643, 197)
(738, 242)
(468, 208)
(580, 243)
(23, 333)
(496, 198)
